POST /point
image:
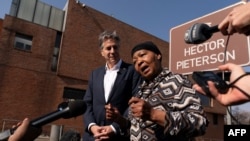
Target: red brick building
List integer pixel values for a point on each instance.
(47, 54)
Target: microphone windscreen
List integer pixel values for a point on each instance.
(76, 108)
(199, 33)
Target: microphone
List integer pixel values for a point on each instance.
(65, 110)
(74, 109)
(199, 33)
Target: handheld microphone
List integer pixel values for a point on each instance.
(65, 110)
(74, 109)
(199, 33)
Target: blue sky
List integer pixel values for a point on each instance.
(154, 17)
(151, 16)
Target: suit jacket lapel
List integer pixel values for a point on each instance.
(100, 83)
(120, 75)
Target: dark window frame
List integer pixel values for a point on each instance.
(73, 93)
(23, 42)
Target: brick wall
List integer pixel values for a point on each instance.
(28, 86)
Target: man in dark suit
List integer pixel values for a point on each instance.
(112, 84)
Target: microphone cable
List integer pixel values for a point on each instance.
(223, 77)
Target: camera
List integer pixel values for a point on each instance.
(201, 78)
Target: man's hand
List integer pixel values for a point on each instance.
(104, 133)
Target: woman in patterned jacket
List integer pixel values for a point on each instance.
(166, 108)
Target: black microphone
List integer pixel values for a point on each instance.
(65, 110)
(74, 109)
(199, 33)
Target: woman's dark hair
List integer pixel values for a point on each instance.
(71, 135)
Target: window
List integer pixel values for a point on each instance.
(215, 119)
(72, 93)
(23, 42)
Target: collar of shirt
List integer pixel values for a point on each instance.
(116, 66)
